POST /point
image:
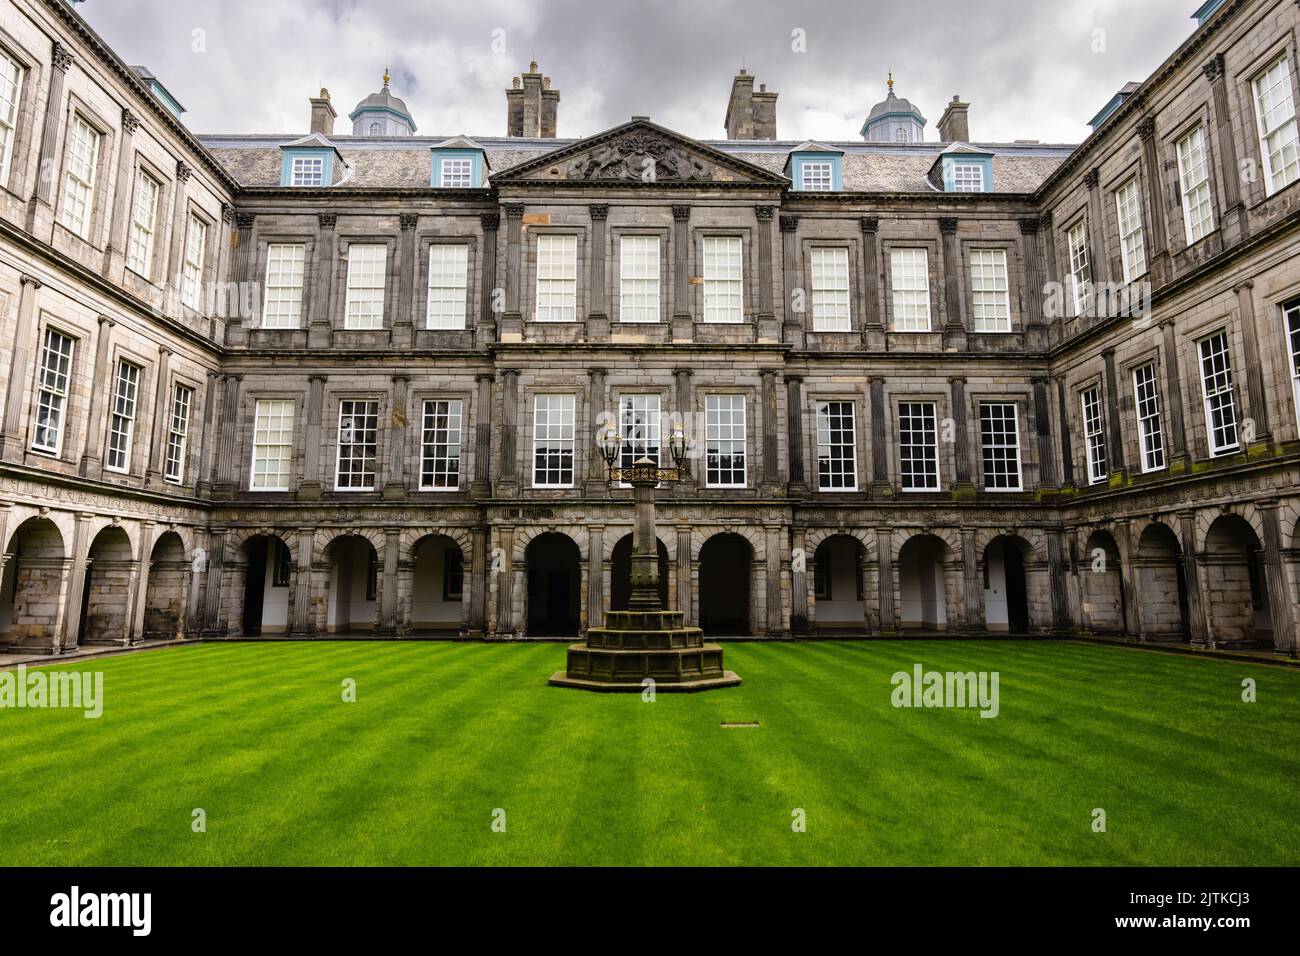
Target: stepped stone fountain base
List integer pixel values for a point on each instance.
(634, 645)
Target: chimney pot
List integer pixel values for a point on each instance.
(954, 124)
(322, 113)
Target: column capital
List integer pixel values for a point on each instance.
(1092, 178)
(789, 223)
(790, 379)
(1247, 285)
(947, 225)
(1213, 68)
(484, 377)
(596, 370)
(183, 171)
(514, 210)
(869, 225)
(681, 212)
(32, 281)
(244, 220)
(1045, 220)
(407, 221)
(764, 213)
(1029, 227)
(599, 211)
(490, 221)
(62, 57)
(401, 377)
(130, 121)
(326, 220)
(317, 378)
(1146, 127)
(956, 379)
(227, 213)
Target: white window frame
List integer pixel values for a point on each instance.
(1132, 240)
(1216, 382)
(178, 433)
(557, 278)
(962, 179)
(354, 469)
(638, 273)
(196, 248)
(286, 264)
(448, 286)
(1291, 329)
(440, 444)
(837, 445)
(554, 427)
(144, 224)
(640, 428)
(307, 171)
(829, 271)
(121, 416)
(12, 75)
(1275, 117)
(456, 172)
(1194, 184)
(733, 434)
(52, 379)
(1093, 417)
(82, 164)
(999, 449)
(926, 415)
(911, 288)
(817, 176)
(990, 296)
(272, 444)
(1080, 267)
(363, 310)
(724, 280)
(1146, 405)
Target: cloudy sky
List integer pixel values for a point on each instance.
(1031, 69)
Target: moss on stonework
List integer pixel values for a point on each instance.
(966, 493)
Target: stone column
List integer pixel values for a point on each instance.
(1154, 192)
(92, 441)
(11, 440)
(793, 324)
(115, 251)
(61, 62)
(161, 415)
(481, 487)
(228, 459)
(1197, 625)
(512, 320)
(304, 611)
(508, 472)
(798, 485)
(1133, 601)
(1098, 261)
(1115, 434)
(390, 621)
(873, 325)
(320, 327)
(598, 317)
(1043, 430)
(486, 333)
(1281, 600)
(596, 486)
(972, 582)
(1056, 570)
(505, 582)
(180, 228)
(885, 581)
(478, 586)
(238, 325)
(596, 574)
(1035, 287)
(1176, 435)
(686, 483)
(775, 606)
(1234, 212)
(396, 485)
(771, 485)
(683, 328)
(961, 444)
(766, 328)
(1067, 453)
(207, 438)
(1256, 397)
(880, 486)
(798, 582)
(685, 604)
(74, 582)
(138, 601)
(211, 623)
(954, 329)
(406, 267)
(309, 487)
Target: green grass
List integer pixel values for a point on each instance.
(442, 734)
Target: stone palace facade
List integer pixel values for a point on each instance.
(339, 383)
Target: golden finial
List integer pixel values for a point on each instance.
(386, 77)
(890, 82)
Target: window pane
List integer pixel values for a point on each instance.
(122, 417)
(1094, 437)
(139, 255)
(638, 279)
(918, 446)
(909, 274)
(1194, 177)
(1147, 401)
(366, 277)
(989, 300)
(358, 444)
(724, 441)
(553, 434)
(1275, 112)
(52, 391)
(448, 285)
(1220, 402)
(830, 290)
(282, 301)
(837, 468)
(1000, 441)
(557, 278)
(1132, 247)
(79, 186)
(272, 445)
(723, 281)
(440, 445)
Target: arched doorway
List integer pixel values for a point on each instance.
(620, 574)
(1234, 575)
(31, 611)
(1163, 584)
(438, 587)
(838, 586)
(268, 571)
(106, 597)
(554, 585)
(353, 601)
(1103, 585)
(726, 565)
(922, 590)
(169, 575)
(1006, 590)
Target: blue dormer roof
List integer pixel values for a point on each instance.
(314, 146)
(460, 147)
(1206, 10)
(814, 152)
(1115, 103)
(160, 91)
(942, 172)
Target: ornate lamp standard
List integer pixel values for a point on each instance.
(647, 640)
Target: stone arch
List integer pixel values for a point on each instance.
(20, 516)
(261, 566)
(813, 538)
(350, 579)
(553, 584)
(1033, 538)
(1102, 580)
(105, 615)
(1208, 518)
(410, 537)
(168, 587)
(324, 537)
(576, 533)
(1235, 582)
(949, 536)
(619, 565)
(925, 568)
(837, 582)
(727, 600)
(239, 538)
(756, 538)
(1158, 562)
(667, 538)
(437, 567)
(185, 533)
(33, 591)
(1008, 566)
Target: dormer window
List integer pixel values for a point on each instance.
(817, 177)
(457, 173)
(967, 178)
(815, 167)
(376, 129)
(900, 135)
(307, 171)
(308, 162)
(459, 163)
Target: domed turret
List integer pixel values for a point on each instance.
(382, 114)
(893, 120)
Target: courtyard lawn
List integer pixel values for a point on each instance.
(443, 734)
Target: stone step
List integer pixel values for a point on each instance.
(634, 665)
(605, 637)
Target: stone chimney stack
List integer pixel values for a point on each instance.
(322, 114)
(954, 126)
(532, 107)
(750, 115)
